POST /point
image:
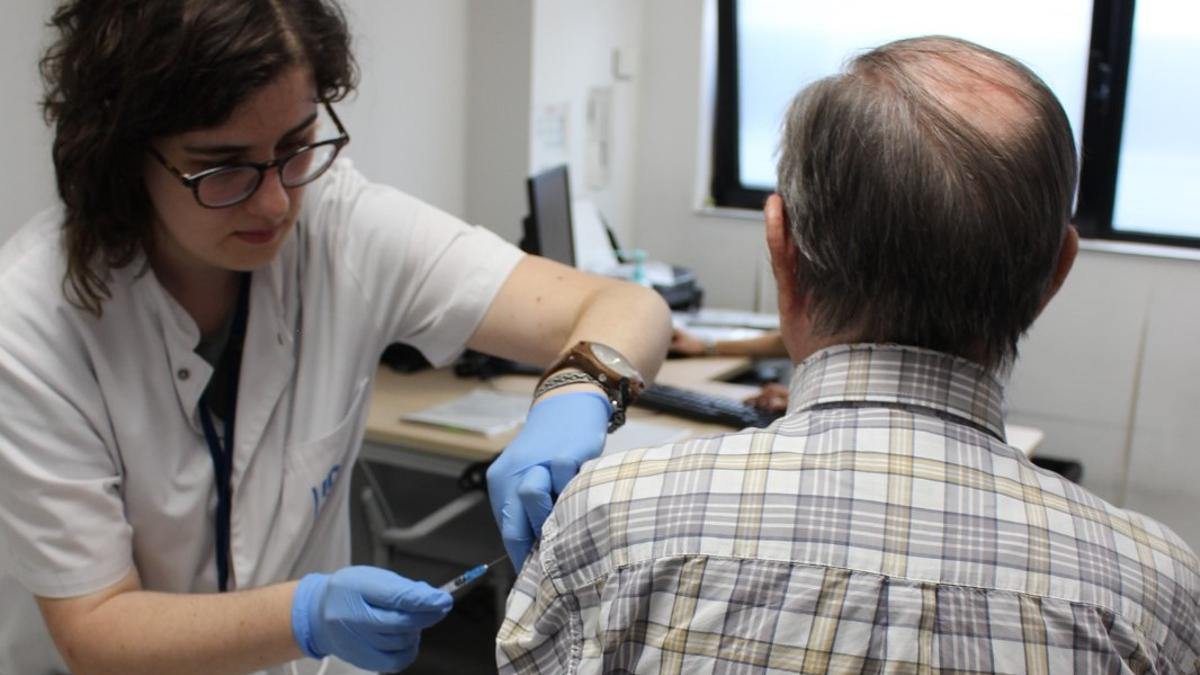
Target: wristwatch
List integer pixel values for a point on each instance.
(603, 366)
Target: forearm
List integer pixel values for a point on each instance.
(544, 308)
(633, 320)
(768, 345)
(149, 632)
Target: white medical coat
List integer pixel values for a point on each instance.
(103, 465)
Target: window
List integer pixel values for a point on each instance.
(1159, 168)
(1087, 51)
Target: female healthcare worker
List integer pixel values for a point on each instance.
(187, 345)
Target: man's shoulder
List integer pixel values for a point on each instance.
(642, 499)
(1144, 548)
(645, 467)
(1154, 554)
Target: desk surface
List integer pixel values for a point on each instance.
(396, 394)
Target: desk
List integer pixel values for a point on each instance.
(447, 452)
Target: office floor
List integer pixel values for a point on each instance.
(464, 642)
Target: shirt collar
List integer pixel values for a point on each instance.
(141, 277)
(894, 374)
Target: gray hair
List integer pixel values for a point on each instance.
(928, 188)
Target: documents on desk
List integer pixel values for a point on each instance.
(491, 413)
(725, 325)
(720, 333)
(729, 318)
(481, 411)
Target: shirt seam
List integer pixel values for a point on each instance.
(593, 580)
(916, 409)
(574, 616)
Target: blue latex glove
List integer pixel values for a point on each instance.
(367, 616)
(560, 433)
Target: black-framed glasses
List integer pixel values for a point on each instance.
(230, 184)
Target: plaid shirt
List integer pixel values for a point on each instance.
(882, 525)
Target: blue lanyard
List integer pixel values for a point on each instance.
(222, 456)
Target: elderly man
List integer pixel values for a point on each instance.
(883, 524)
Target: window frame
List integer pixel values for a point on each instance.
(727, 188)
(1103, 118)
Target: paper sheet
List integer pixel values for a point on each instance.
(733, 318)
(483, 411)
(490, 412)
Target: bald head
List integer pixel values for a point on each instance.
(985, 89)
(927, 189)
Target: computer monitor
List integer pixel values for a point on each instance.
(548, 226)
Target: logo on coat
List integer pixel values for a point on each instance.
(321, 492)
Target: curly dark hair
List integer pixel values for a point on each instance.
(124, 72)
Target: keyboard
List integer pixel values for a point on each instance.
(703, 407)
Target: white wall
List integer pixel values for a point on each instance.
(408, 121)
(573, 44)
(26, 172)
(1111, 369)
(499, 58)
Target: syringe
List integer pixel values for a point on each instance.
(456, 586)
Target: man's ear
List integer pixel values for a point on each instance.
(795, 325)
(784, 258)
(1066, 258)
(780, 246)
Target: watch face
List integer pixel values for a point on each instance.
(613, 359)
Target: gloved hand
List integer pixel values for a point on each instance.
(561, 432)
(367, 616)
